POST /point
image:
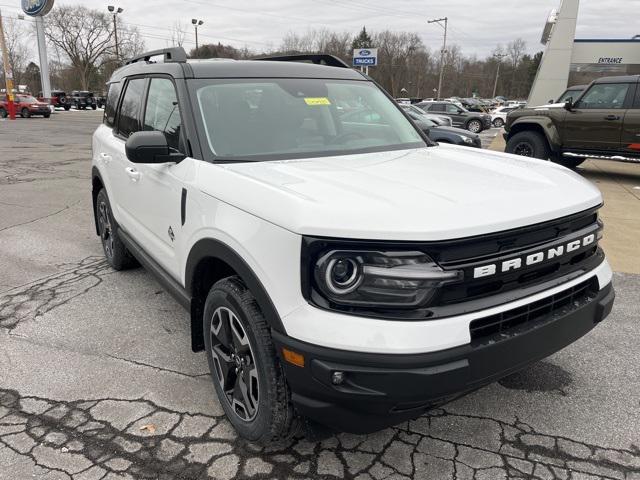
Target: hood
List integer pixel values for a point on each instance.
(433, 193)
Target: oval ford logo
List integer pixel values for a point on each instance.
(36, 8)
(364, 53)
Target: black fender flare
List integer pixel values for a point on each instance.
(211, 248)
(547, 126)
(95, 174)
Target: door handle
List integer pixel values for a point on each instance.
(134, 175)
(105, 157)
(612, 117)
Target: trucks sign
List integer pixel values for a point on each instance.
(365, 57)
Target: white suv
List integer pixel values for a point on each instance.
(338, 272)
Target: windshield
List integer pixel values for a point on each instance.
(27, 99)
(569, 94)
(268, 119)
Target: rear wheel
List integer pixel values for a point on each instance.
(245, 369)
(3, 113)
(114, 250)
(46, 115)
(529, 144)
(474, 126)
(67, 108)
(25, 113)
(498, 123)
(93, 107)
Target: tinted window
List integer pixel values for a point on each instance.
(605, 96)
(112, 104)
(162, 112)
(437, 107)
(129, 117)
(636, 103)
(452, 108)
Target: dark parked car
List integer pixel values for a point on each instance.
(602, 123)
(461, 117)
(58, 99)
(442, 134)
(26, 106)
(81, 100)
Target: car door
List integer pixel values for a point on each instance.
(595, 122)
(123, 174)
(157, 194)
(631, 127)
(456, 114)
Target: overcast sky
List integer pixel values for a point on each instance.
(475, 25)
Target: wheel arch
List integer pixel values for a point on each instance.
(209, 261)
(541, 125)
(96, 185)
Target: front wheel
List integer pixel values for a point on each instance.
(115, 252)
(498, 123)
(245, 369)
(474, 126)
(529, 144)
(93, 107)
(25, 113)
(67, 108)
(3, 113)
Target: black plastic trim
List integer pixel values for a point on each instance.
(167, 281)
(209, 247)
(183, 206)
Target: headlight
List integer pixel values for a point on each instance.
(375, 279)
(468, 140)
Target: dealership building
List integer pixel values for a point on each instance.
(568, 61)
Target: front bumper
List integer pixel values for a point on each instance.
(380, 390)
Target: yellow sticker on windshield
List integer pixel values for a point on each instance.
(317, 101)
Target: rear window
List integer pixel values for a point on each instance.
(112, 104)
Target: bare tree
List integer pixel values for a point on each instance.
(15, 35)
(178, 34)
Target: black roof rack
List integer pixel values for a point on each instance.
(171, 55)
(317, 58)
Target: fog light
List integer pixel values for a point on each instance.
(337, 378)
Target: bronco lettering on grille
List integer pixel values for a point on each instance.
(533, 258)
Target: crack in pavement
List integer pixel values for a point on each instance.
(44, 295)
(41, 218)
(137, 438)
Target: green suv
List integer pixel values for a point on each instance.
(601, 123)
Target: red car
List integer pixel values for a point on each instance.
(26, 106)
(58, 99)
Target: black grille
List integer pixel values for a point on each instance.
(561, 303)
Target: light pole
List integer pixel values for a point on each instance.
(196, 24)
(444, 49)
(115, 11)
(499, 56)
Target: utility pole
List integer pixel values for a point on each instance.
(439, 21)
(196, 24)
(115, 11)
(8, 75)
(499, 56)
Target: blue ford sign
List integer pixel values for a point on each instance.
(37, 8)
(365, 57)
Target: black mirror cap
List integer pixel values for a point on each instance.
(150, 147)
(568, 105)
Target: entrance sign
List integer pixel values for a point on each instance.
(365, 57)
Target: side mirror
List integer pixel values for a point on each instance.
(568, 105)
(150, 147)
(552, 101)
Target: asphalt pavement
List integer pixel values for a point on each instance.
(97, 378)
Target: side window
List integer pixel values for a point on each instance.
(129, 117)
(162, 112)
(112, 104)
(604, 96)
(436, 107)
(636, 102)
(452, 108)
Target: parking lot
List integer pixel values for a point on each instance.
(97, 378)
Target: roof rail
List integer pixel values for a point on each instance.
(317, 58)
(171, 55)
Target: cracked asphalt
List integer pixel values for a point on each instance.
(97, 379)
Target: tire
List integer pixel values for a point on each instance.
(474, 126)
(268, 415)
(114, 250)
(529, 144)
(93, 107)
(67, 108)
(46, 115)
(3, 113)
(25, 113)
(498, 123)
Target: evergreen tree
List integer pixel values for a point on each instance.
(363, 40)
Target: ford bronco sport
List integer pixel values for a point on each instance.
(350, 274)
(602, 122)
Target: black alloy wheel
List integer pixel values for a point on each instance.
(235, 364)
